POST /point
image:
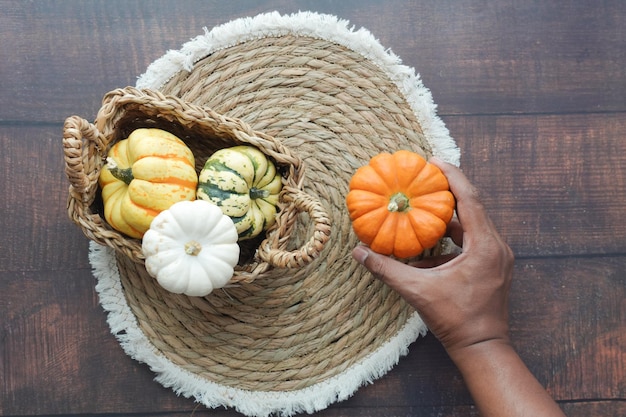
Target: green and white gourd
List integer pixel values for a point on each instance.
(244, 183)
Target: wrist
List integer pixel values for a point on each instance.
(480, 352)
(476, 336)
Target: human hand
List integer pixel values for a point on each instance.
(462, 298)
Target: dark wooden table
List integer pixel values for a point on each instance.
(533, 91)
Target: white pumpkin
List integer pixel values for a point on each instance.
(191, 248)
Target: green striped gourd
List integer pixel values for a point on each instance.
(244, 183)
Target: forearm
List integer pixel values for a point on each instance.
(500, 382)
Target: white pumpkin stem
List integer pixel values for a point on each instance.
(193, 248)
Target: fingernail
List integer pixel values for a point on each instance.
(360, 253)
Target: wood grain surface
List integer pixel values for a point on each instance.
(534, 93)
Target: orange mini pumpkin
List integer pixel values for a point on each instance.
(399, 204)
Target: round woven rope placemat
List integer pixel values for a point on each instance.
(298, 339)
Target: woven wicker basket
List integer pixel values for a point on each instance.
(204, 131)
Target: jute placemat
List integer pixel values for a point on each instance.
(296, 339)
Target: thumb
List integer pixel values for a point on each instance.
(401, 277)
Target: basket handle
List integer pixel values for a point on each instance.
(83, 147)
(303, 202)
(81, 143)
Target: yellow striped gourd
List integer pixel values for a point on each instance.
(144, 175)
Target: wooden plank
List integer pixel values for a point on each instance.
(567, 321)
(554, 184)
(573, 409)
(57, 354)
(33, 213)
(595, 408)
(507, 57)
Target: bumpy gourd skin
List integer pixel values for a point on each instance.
(245, 184)
(399, 204)
(144, 175)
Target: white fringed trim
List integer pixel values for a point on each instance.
(120, 318)
(126, 329)
(320, 26)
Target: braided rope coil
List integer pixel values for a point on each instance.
(291, 339)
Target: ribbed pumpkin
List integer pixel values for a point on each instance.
(144, 175)
(399, 204)
(244, 183)
(191, 248)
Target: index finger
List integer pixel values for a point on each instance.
(470, 210)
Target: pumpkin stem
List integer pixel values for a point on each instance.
(258, 193)
(193, 248)
(398, 202)
(122, 174)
